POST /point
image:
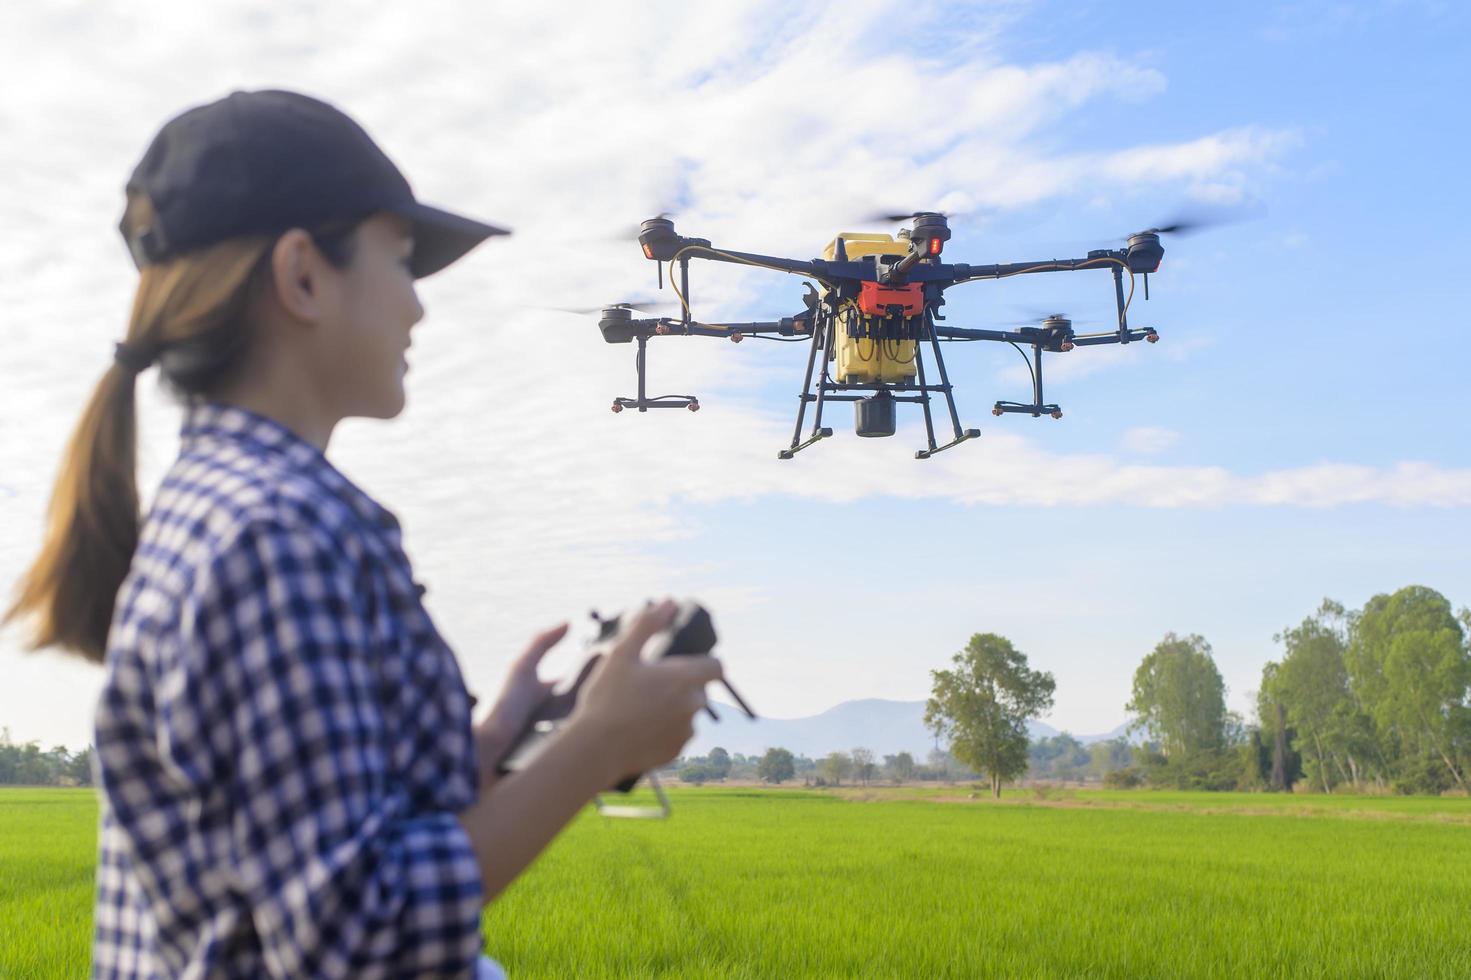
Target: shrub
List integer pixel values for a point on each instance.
(1126, 778)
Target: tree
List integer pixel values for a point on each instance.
(1280, 765)
(900, 768)
(696, 772)
(776, 766)
(1310, 690)
(1179, 697)
(1057, 757)
(863, 764)
(983, 704)
(836, 767)
(719, 763)
(1105, 757)
(1409, 668)
(81, 767)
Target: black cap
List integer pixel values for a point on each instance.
(260, 163)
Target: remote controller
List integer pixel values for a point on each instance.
(691, 633)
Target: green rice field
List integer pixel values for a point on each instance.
(904, 882)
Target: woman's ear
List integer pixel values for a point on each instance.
(296, 268)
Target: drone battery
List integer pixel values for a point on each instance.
(873, 353)
(877, 356)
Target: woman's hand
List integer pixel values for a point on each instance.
(631, 716)
(521, 695)
(640, 714)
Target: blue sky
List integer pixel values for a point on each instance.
(1297, 432)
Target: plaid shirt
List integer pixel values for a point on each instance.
(283, 739)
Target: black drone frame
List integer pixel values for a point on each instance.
(921, 270)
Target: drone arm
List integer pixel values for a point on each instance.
(1098, 260)
(1033, 337)
(1112, 337)
(786, 327)
(965, 333)
(812, 268)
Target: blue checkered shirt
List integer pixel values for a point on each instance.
(283, 739)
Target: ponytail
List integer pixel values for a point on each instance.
(190, 314)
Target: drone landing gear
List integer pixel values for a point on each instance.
(873, 412)
(961, 435)
(1035, 411)
(643, 402)
(818, 434)
(1037, 408)
(663, 401)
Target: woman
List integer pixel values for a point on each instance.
(291, 785)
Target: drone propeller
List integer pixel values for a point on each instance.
(630, 233)
(1181, 227)
(655, 307)
(894, 217)
(1038, 315)
(1192, 222)
(1050, 321)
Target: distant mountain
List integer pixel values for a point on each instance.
(884, 726)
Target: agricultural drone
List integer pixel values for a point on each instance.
(875, 317)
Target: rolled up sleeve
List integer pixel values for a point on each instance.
(343, 874)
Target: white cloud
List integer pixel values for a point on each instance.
(1148, 439)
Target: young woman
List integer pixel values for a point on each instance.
(291, 784)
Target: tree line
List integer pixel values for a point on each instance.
(859, 766)
(1372, 699)
(27, 765)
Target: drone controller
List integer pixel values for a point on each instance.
(691, 633)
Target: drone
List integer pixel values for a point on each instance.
(875, 317)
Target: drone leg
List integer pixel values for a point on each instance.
(924, 394)
(643, 402)
(1118, 292)
(1036, 374)
(803, 397)
(818, 432)
(944, 378)
(823, 380)
(961, 435)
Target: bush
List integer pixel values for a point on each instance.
(1424, 776)
(697, 773)
(1217, 771)
(1126, 778)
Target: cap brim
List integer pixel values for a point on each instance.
(441, 237)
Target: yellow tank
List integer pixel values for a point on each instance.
(862, 360)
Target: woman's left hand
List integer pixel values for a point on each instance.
(522, 694)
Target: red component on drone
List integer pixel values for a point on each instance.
(875, 299)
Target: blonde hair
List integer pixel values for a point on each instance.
(189, 313)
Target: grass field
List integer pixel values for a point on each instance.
(925, 883)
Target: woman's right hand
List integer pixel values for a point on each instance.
(641, 713)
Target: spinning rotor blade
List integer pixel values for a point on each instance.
(1181, 227)
(630, 232)
(1192, 222)
(895, 217)
(655, 307)
(1037, 315)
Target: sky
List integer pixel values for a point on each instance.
(1297, 433)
